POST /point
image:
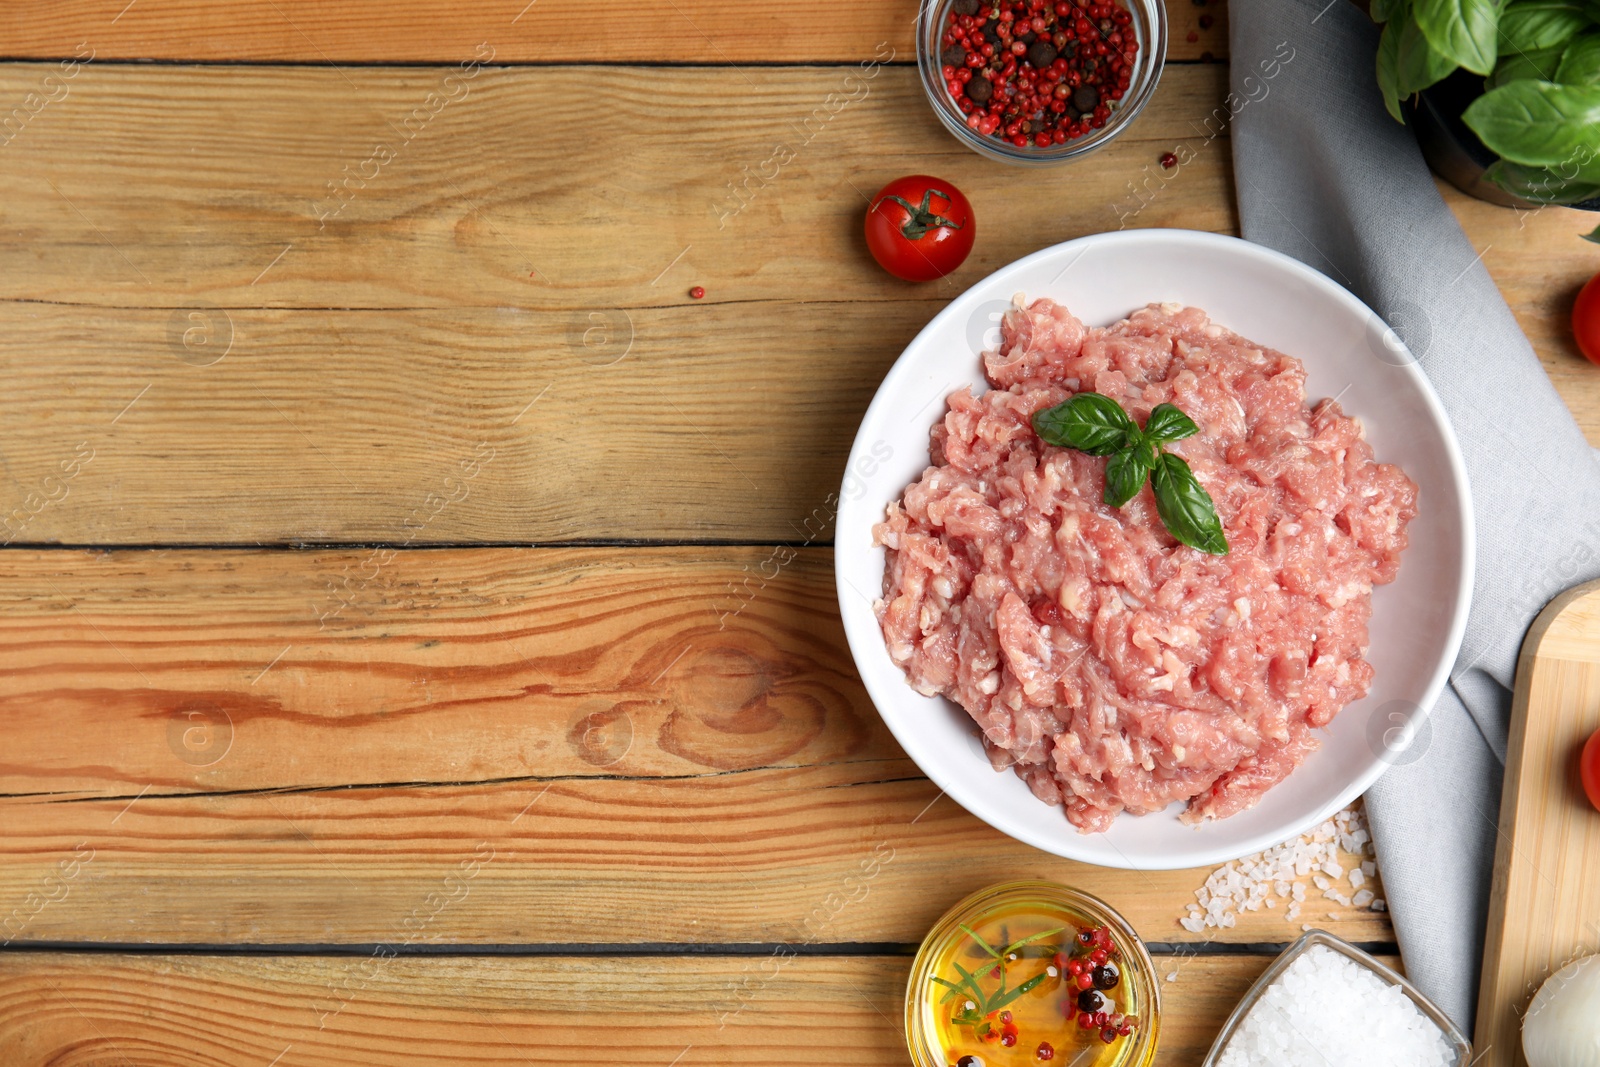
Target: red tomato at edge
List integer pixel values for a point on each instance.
(1586, 320)
(1591, 769)
(919, 228)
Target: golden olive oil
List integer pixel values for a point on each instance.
(1037, 945)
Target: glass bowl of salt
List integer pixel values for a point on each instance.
(1325, 1003)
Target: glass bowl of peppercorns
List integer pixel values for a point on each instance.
(1038, 82)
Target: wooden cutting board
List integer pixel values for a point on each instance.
(1544, 908)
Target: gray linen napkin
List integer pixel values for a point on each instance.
(1325, 175)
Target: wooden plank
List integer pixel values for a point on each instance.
(151, 186)
(1542, 909)
(329, 1012)
(1539, 263)
(637, 726)
(360, 364)
(551, 31)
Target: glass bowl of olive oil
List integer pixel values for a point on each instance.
(1023, 974)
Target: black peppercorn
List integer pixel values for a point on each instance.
(965, 7)
(1042, 54)
(1091, 1001)
(1106, 976)
(979, 90)
(1084, 97)
(954, 56)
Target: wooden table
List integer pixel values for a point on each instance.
(377, 499)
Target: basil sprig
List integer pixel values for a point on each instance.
(1096, 424)
(1540, 107)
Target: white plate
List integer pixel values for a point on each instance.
(1276, 301)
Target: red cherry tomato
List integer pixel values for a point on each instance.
(919, 228)
(1586, 320)
(1591, 769)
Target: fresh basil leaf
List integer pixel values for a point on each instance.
(1526, 66)
(1089, 422)
(1384, 10)
(1168, 423)
(1126, 472)
(1462, 30)
(1592, 235)
(1417, 64)
(1389, 69)
(1529, 25)
(1538, 123)
(1580, 62)
(1185, 507)
(1542, 185)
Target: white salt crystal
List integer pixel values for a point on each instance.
(1245, 885)
(1380, 905)
(1292, 914)
(1172, 976)
(1362, 898)
(1326, 1010)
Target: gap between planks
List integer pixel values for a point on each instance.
(664, 949)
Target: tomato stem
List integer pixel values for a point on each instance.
(922, 218)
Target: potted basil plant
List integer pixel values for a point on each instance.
(1505, 97)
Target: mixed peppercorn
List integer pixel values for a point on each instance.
(1093, 975)
(1037, 72)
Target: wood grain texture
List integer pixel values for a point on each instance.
(1539, 262)
(646, 747)
(1543, 910)
(481, 271)
(196, 1011)
(548, 31)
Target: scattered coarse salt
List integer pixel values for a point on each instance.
(1363, 897)
(1380, 905)
(1245, 885)
(1327, 1010)
(1172, 976)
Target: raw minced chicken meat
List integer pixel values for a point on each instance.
(1114, 668)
